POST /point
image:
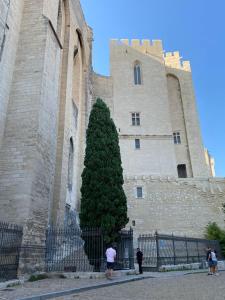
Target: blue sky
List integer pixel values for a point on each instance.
(196, 28)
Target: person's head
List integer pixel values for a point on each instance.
(138, 249)
(209, 248)
(114, 245)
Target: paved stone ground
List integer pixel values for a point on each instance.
(45, 286)
(189, 287)
(172, 285)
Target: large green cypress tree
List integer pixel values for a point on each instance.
(103, 201)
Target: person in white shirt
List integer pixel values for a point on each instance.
(110, 258)
(214, 262)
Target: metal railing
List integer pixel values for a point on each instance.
(161, 249)
(72, 249)
(10, 243)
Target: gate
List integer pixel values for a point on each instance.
(124, 249)
(10, 243)
(147, 244)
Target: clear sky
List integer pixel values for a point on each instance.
(196, 28)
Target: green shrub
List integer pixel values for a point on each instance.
(214, 232)
(37, 277)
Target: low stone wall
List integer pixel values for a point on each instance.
(193, 266)
(180, 267)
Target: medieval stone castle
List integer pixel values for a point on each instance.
(47, 88)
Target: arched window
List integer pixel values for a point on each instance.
(137, 73)
(70, 165)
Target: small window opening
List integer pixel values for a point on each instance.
(139, 192)
(135, 118)
(137, 74)
(137, 144)
(176, 138)
(181, 170)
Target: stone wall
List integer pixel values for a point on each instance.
(75, 99)
(10, 19)
(40, 106)
(103, 88)
(171, 205)
(193, 133)
(150, 100)
(179, 123)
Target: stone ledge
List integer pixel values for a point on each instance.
(11, 283)
(89, 275)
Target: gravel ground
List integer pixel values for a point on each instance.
(189, 287)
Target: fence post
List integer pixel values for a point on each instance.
(186, 247)
(174, 253)
(198, 251)
(131, 250)
(102, 267)
(157, 250)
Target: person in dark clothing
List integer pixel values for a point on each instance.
(209, 260)
(139, 255)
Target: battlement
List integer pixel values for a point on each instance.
(153, 47)
(174, 60)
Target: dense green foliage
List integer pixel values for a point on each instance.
(103, 201)
(214, 232)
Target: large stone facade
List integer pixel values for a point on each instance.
(47, 90)
(167, 136)
(45, 71)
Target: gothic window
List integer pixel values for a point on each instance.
(137, 74)
(75, 114)
(181, 170)
(70, 165)
(135, 117)
(176, 138)
(137, 144)
(139, 192)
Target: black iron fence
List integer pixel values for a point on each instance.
(72, 249)
(161, 249)
(10, 243)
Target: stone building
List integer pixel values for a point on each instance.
(168, 176)
(47, 87)
(45, 94)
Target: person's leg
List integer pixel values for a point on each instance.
(213, 268)
(140, 268)
(209, 272)
(210, 267)
(107, 273)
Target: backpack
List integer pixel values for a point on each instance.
(213, 256)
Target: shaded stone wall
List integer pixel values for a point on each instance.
(42, 84)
